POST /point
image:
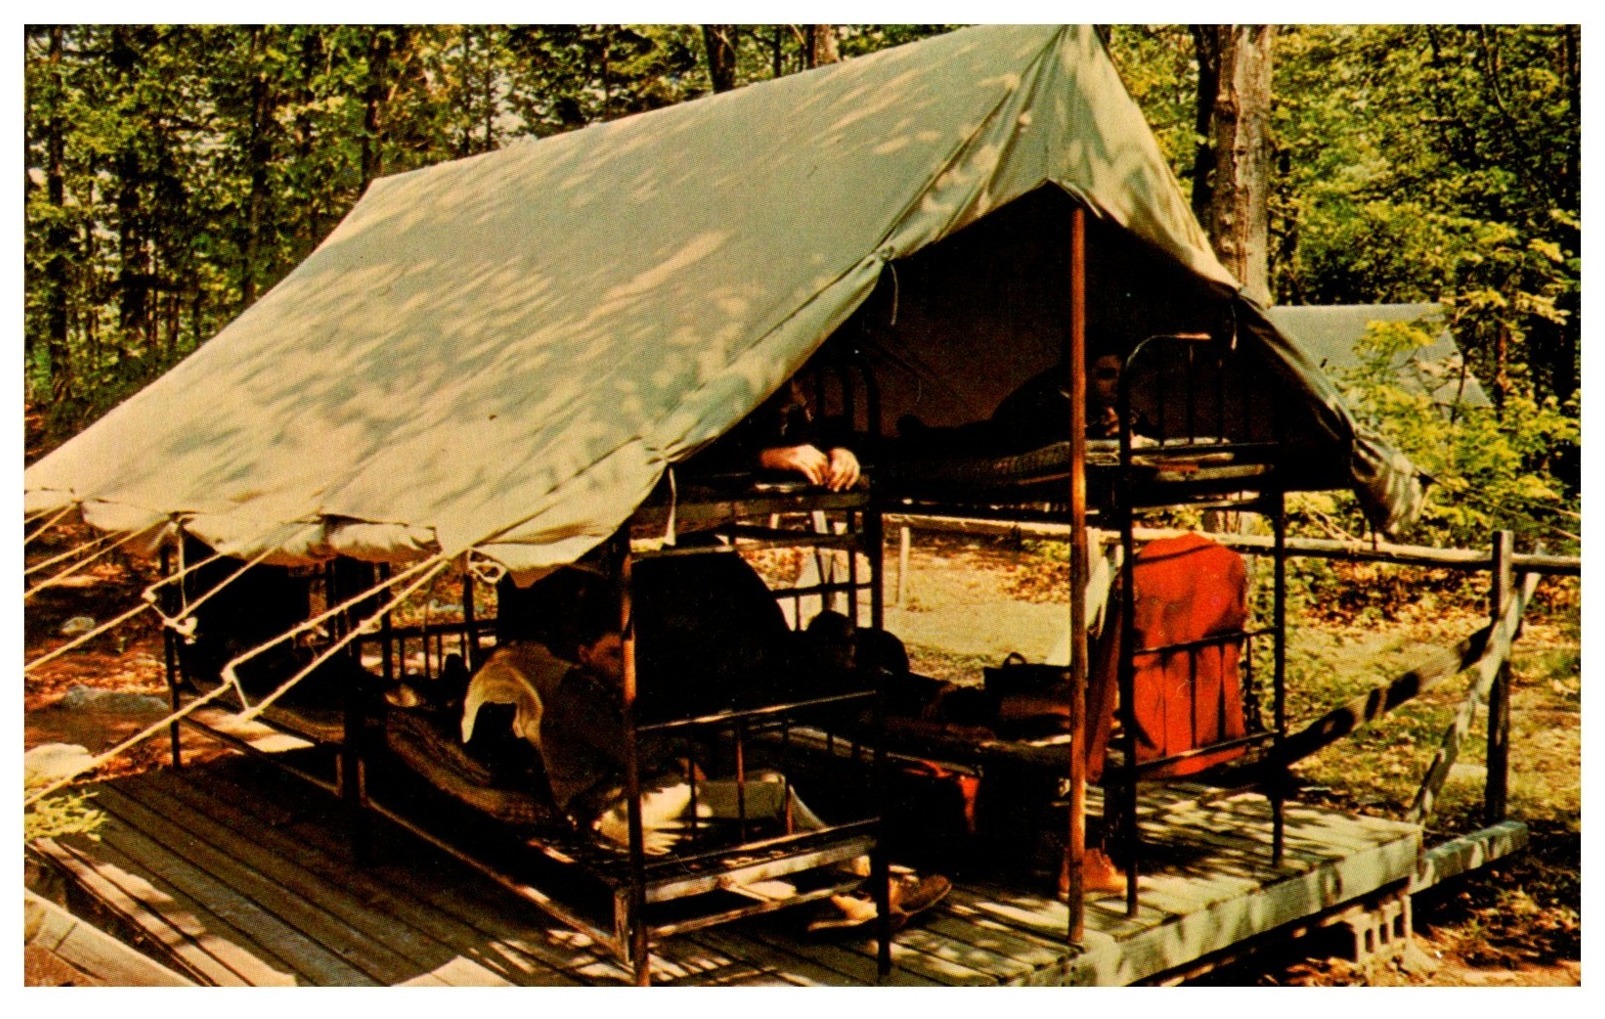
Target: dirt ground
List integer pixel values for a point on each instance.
(966, 603)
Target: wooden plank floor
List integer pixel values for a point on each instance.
(233, 874)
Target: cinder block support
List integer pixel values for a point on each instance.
(1381, 930)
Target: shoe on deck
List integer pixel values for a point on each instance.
(1099, 876)
(917, 894)
(909, 895)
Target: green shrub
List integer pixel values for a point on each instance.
(1491, 467)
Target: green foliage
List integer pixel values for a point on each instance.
(175, 173)
(1491, 469)
(1160, 71)
(1428, 162)
(1413, 163)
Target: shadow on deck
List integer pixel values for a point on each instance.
(232, 873)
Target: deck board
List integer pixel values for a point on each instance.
(224, 926)
(398, 945)
(237, 876)
(295, 929)
(393, 899)
(161, 916)
(506, 925)
(237, 924)
(568, 956)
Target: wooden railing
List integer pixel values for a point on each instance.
(1514, 579)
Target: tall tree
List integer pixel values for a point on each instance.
(58, 234)
(1231, 170)
(719, 41)
(822, 45)
(262, 101)
(375, 96)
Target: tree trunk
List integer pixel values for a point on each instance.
(720, 43)
(373, 99)
(133, 272)
(822, 48)
(1235, 170)
(1206, 46)
(310, 227)
(59, 235)
(260, 154)
(1231, 165)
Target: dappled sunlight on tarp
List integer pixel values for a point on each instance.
(508, 350)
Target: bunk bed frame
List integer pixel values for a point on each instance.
(1193, 464)
(1202, 469)
(625, 901)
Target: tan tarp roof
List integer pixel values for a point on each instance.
(505, 352)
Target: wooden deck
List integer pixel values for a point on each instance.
(233, 874)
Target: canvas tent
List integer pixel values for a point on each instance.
(1332, 333)
(505, 353)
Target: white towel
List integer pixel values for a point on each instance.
(523, 674)
(1103, 562)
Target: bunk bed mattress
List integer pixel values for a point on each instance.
(1047, 463)
(428, 748)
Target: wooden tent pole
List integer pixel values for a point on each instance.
(170, 659)
(1076, 850)
(624, 570)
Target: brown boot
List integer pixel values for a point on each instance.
(916, 894)
(1099, 876)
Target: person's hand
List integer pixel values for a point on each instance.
(806, 460)
(1106, 423)
(844, 470)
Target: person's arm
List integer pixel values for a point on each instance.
(806, 459)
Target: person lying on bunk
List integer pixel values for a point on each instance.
(1034, 415)
(582, 743)
(783, 438)
(1038, 412)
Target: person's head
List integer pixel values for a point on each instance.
(587, 632)
(1103, 384)
(603, 657)
(880, 651)
(830, 640)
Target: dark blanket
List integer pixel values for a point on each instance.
(430, 743)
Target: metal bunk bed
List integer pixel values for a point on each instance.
(625, 901)
(1210, 455)
(1216, 447)
(1213, 459)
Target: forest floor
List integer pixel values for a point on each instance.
(968, 602)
